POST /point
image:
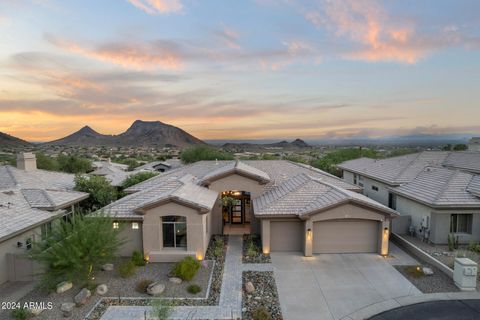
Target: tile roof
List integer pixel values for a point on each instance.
(114, 173)
(468, 161)
(237, 167)
(304, 194)
(442, 187)
(170, 163)
(474, 186)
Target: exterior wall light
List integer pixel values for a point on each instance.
(134, 225)
(199, 256)
(146, 258)
(385, 231)
(116, 225)
(309, 233)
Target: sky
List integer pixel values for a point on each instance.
(250, 69)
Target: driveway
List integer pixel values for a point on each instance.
(332, 286)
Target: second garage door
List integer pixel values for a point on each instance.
(345, 236)
(286, 235)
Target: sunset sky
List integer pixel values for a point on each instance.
(250, 69)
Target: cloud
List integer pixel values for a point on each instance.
(229, 37)
(158, 6)
(137, 56)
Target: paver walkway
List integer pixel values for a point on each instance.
(230, 304)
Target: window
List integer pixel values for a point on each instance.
(46, 229)
(174, 232)
(116, 225)
(374, 188)
(28, 243)
(392, 201)
(354, 179)
(461, 223)
(135, 225)
(360, 184)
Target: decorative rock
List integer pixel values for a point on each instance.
(249, 287)
(36, 311)
(82, 297)
(427, 271)
(101, 289)
(107, 267)
(155, 289)
(67, 308)
(175, 280)
(64, 286)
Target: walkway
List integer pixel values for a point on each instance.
(230, 304)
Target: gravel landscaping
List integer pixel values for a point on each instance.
(437, 282)
(264, 295)
(252, 250)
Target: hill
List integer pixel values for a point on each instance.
(284, 145)
(9, 141)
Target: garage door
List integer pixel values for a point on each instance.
(345, 236)
(286, 235)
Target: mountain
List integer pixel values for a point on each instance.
(9, 141)
(140, 133)
(242, 147)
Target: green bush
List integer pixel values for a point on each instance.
(203, 152)
(194, 288)
(137, 178)
(127, 269)
(186, 269)
(137, 258)
(162, 309)
(219, 244)
(251, 249)
(20, 314)
(261, 313)
(142, 285)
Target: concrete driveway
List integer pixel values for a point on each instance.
(332, 286)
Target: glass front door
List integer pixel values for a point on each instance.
(236, 214)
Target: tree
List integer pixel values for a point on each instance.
(76, 249)
(137, 178)
(100, 190)
(460, 147)
(73, 164)
(203, 152)
(329, 161)
(46, 163)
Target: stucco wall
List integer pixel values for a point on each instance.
(441, 227)
(197, 239)
(417, 211)
(381, 195)
(238, 182)
(348, 176)
(133, 237)
(10, 246)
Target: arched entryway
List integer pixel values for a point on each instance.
(237, 213)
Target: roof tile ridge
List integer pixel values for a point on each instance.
(446, 185)
(49, 199)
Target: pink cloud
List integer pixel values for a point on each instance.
(158, 6)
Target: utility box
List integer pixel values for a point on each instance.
(465, 274)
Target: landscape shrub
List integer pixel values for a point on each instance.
(219, 244)
(261, 313)
(194, 288)
(452, 242)
(251, 249)
(137, 258)
(162, 309)
(127, 269)
(186, 269)
(20, 314)
(142, 285)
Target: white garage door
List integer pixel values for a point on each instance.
(286, 235)
(345, 236)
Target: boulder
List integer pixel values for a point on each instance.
(35, 311)
(175, 280)
(249, 287)
(107, 267)
(427, 271)
(67, 309)
(101, 289)
(64, 286)
(155, 289)
(82, 297)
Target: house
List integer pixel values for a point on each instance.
(30, 199)
(474, 144)
(115, 173)
(436, 193)
(293, 206)
(160, 166)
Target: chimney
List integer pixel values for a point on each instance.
(26, 161)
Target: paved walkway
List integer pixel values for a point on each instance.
(230, 304)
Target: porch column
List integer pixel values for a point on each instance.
(265, 236)
(308, 238)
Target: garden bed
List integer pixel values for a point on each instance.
(252, 250)
(264, 297)
(438, 282)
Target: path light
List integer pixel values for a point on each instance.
(146, 257)
(199, 256)
(266, 250)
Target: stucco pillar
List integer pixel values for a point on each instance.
(266, 236)
(308, 236)
(384, 236)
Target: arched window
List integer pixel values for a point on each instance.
(174, 232)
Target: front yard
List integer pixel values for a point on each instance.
(252, 250)
(260, 297)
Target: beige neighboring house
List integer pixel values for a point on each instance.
(30, 199)
(293, 206)
(474, 144)
(436, 193)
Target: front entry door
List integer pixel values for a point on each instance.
(236, 215)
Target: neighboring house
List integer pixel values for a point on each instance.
(474, 144)
(30, 199)
(436, 193)
(115, 173)
(295, 207)
(160, 166)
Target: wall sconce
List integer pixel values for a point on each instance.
(385, 231)
(116, 225)
(309, 233)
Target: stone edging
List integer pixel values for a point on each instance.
(422, 255)
(386, 305)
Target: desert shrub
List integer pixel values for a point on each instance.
(186, 269)
(218, 250)
(142, 285)
(20, 314)
(452, 242)
(251, 249)
(137, 258)
(162, 309)
(127, 269)
(261, 313)
(194, 288)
